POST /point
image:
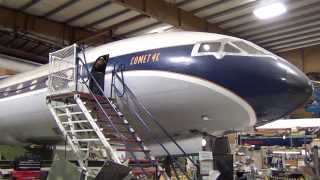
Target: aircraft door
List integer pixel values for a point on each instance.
(98, 72)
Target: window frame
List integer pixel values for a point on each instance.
(196, 48)
(240, 53)
(251, 46)
(220, 54)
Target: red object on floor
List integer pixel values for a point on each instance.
(26, 175)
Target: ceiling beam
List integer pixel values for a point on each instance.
(208, 6)
(171, 14)
(249, 5)
(299, 46)
(296, 45)
(33, 48)
(291, 34)
(182, 3)
(23, 22)
(163, 11)
(87, 12)
(108, 30)
(104, 19)
(282, 28)
(28, 5)
(23, 54)
(299, 9)
(60, 8)
(140, 29)
(298, 42)
(22, 45)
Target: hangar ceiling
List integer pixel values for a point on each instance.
(31, 29)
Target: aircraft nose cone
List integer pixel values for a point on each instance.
(294, 89)
(299, 87)
(273, 87)
(270, 85)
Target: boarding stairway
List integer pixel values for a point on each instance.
(91, 123)
(95, 133)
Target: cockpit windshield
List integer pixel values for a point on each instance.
(248, 48)
(227, 47)
(210, 47)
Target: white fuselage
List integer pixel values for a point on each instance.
(180, 102)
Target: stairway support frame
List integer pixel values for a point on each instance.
(65, 134)
(95, 127)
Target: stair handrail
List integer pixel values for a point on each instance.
(84, 64)
(156, 139)
(140, 104)
(137, 102)
(145, 125)
(113, 85)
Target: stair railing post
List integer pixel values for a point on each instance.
(76, 68)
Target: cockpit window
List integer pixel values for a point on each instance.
(210, 47)
(230, 49)
(248, 48)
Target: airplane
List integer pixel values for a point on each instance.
(189, 81)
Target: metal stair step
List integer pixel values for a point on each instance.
(106, 122)
(115, 119)
(85, 140)
(80, 130)
(93, 103)
(118, 134)
(76, 122)
(115, 114)
(88, 96)
(65, 106)
(108, 129)
(72, 113)
(120, 131)
(118, 140)
(109, 111)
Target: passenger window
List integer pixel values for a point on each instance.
(230, 49)
(210, 47)
(247, 48)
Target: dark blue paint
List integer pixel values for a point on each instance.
(258, 80)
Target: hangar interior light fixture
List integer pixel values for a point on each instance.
(270, 10)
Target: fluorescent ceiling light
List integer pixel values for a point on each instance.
(270, 11)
